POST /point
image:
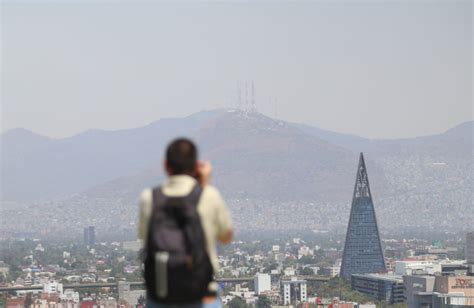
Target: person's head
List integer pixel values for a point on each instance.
(181, 157)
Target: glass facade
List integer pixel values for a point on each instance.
(89, 236)
(381, 287)
(363, 250)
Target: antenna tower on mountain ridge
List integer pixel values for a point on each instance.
(246, 101)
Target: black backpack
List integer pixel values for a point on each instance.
(177, 265)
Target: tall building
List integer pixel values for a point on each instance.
(419, 290)
(125, 293)
(89, 236)
(294, 291)
(362, 250)
(262, 283)
(470, 248)
(470, 252)
(439, 291)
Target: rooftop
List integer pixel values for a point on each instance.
(386, 277)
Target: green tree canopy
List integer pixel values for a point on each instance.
(237, 302)
(263, 302)
(306, 271)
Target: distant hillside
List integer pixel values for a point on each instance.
(456, 142)
(35, 167)
(274, 174)
(352, 142)
(256, 157)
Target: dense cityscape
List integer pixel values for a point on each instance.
(252, 272)
(315, 269)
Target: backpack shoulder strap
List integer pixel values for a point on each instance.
(195, 194)
(158, 198)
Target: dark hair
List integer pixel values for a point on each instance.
(181, 156)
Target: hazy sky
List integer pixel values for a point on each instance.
(377, 69)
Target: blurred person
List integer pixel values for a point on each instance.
(181, 222)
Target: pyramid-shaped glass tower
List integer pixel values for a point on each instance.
(362, 250)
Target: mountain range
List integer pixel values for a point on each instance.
(261, 165)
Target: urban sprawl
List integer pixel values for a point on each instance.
(316, 269)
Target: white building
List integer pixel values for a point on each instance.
(279, 257)
(417, 267)
(53, 287)
(4, 269)
(304, 251)
(289, 271)
(262, 283)
(294, 291)
(296, 240)
(128, 295)
(132, 245)
(244, 293)
(275, 271)
(332, 271)
(425, 267)
(69, 296)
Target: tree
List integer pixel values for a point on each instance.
(338, 287)
(237, 302)
(141, 300)
(307, 260)
(263, 302)
(306, 271)
(268, 267)
(3, 300)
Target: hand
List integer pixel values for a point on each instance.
(204, 171)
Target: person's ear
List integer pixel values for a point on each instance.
(167, 168)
